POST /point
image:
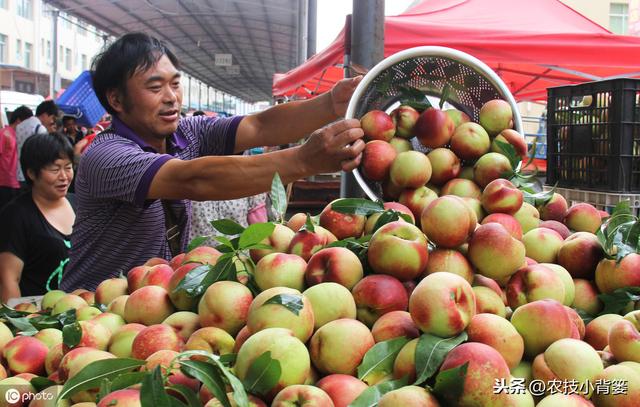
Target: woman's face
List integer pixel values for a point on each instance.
(54, 179)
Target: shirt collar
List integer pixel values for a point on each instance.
(176, 140)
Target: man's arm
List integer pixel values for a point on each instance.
(337, 146)
(290, 122)
(10, 272)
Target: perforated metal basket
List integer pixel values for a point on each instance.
(470, 84)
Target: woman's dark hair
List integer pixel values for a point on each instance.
(119, 61)
(41, 150)
(21, 113)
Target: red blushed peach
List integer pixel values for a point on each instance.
(507, 221)
(580, 254)
(166, 359)
(564, 400)
(339, 346)
(109, 289)
(94, 335)
(225, 305)
(342, 225)
(176, 261)
(485, 365)
(377, 125)
(378, 294)
(148, 305)
(241, 337)
(501, 196)
(377, 158)
(305, 243)
(405, 363)
(301, 394)
(533, 283)
(202, 254)
(583, 217)
(279, 240)
(489, 167)
(494, 253)
(398, 207)
(153, 339)
(470, 141)
(135, 276)
(76, 359)
(554, 209)
(533, 320)
(393, 325)
(280, 270)
(334, 264)
(159, 275)
(624, 339)
(498, 333)
(557, 226)
(542, 245)
(586, 298)
(611, 275)
(461, 187)
(398, 249)
(512, 137)
(404, 118)
(445, 165)
(448, 221)
(487, 301)
(409, 396)
(417, 199)
(25, 354)
(597, 331)
(434, 128)
(618, 374)
(297, 221)
(482, 281)
(124, 398)
(180, 299)
(410, 169)
(451, 261)
(154, 261)
(442, 304)
(342, 389)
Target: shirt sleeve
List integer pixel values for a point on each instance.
(217, 135)
(13, 236)
(119, 170)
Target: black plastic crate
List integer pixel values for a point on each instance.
(593, 136)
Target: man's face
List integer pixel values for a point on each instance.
(151, 105)
(49, 121)
(69, 126)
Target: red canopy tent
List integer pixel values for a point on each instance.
(532, 45)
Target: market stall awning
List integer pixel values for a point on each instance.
(532, 45)
(261, 36)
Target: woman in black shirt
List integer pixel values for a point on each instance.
(35, 227)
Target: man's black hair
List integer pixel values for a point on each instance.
(198, 113)
(47, 107)
(41, 150)
(21, 113)
(119, 61)
(66, 118)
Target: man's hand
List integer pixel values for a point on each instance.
(341, 94)
(337, 146)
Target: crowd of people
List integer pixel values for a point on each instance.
(77, 209)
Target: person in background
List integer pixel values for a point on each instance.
(198, 113)
(136, 181)
(43, 122)
(35, 228)
(71, 130)
(9, 185)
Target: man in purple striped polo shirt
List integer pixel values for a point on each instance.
(151, 162)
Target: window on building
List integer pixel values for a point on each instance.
(82, 28)
(28, 50)
(19, 50)
(48, 51)
(85, 66)
(67, 59)
(3, 48)
(61, 54)
(25, 8)
(619, 18)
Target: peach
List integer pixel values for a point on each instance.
(611, 275)
(410, 169)
(343, 389)
(159, 275)
(176, 261)
(408, 396)
(488, 301)
(109, 289)
(49, 336)
(121, 341)
(528, 217)
(377, 125)
(377, 158)
(305, 243)
(448, 221)
(512, 137)
(501, 196)
(302, 394)
(342, 225)
(225, 305)
(184, 323)
(554, 209)
(262, 316)
(580, 254)
(458, 116)
(461, 187)
(400, 144)
(279, 240)
(77, 359)
(498, 333)
(395, 324)
(154, 261)
(452, 261)
(405, 363)
(67, 302)
(613, 377)
(417, 199)
(211, 339)
(94, 335)
(166, 359)
(542, 245)
(24, 354)
(280, 270)
(109, 320)
(378, 294)
(586, 298)
(334, 264)
(154, 338)
(124, 398)
(434, 128)
(442, 304)
(86, 313)
(583, 217)
(53, 358)
(624, 338)
(476, 207)
(5, 335)
(445, 165)
(390, 191)
(330, 301)
(118, 304)
(148, 305)
(339, 346)
(507, 221)
(405, 118)
(557, 226)
(135, 276)
(179, 298)
(532, 283)
(26, 307)
(50, 299)
(495, 116)
(297, 221)
(202, 254)
(241, 337)
(489, 167)
(597, 331)
(494, 253)
(567, 282)
(470, 141)
(398, 249)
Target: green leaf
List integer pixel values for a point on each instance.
(622, 208)
(387, 216)
(225, 242)
(152, 393)
(228, 359)
(10, 312)
(509, 151)
(617, 301)
(209, 376)
(279, 197)
(263, 375)
(446, 93)
(371, 396)
(430, 353)
(255, 233)
(40, 383)
(261, 246)
(72, 334)
(92, 375)
(308, 224)
(126, 380)
(450, 383)
(227, 227)
(357, 206)
(224, 270)
(538, 199)
(419, 106)
(22, 325)
(105, 388)
(197, 242)
(380, 358)
(292, 302)
(66, 318)
(187, 393)
(191, 283)
(584, 315)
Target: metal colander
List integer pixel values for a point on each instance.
(431, 70)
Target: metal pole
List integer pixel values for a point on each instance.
(312, 24)
(189, 95)
(302, 30)
(54, 65)
(208, 99)
(367, 49)
(199, 95)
